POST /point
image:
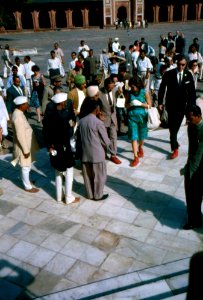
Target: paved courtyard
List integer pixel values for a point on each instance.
(93, 249)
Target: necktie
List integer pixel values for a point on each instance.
(110, 103)
(109, 99)
(179, 78)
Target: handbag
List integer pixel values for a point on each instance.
(153, 118)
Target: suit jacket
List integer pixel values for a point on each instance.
(195, 151)
(110, 117)
(23, 139)
(73, 95)
(177, 96)
(12, 93)
(93, 136)
(129, 62)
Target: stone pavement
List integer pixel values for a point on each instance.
(130, 245)
(47, 247)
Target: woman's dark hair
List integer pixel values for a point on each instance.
(137, 81)
(195, 110)
(58, 88)
(191, 62)
(35, 68)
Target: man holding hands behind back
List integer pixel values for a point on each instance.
(193, 169)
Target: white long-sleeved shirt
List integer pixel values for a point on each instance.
(28, 69)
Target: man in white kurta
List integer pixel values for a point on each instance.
(28, 73)
(25, 144)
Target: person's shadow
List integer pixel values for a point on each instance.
(167, 209)
(14, 281)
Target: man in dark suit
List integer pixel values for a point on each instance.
(129, 62)
(13, 92)
(193, 170)
(108, 108)
(179, 86)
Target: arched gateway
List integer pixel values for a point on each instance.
(46, 14)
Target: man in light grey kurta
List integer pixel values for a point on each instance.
(93, 139)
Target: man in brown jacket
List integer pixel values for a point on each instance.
(78, 94)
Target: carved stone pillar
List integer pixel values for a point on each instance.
(52, 17)
(85, 16)
(86, 11)
(186, 9)
(198, 11)
(154, 14)
(69, 18)
(17, 16)
(157, 13)
(184, 12)
(171, 13)
(35, 19)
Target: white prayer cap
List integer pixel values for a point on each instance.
(92, 90)
(60, 97)
(116, 38)
(20, 100)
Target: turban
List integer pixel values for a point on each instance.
(20, 100)
(79, 79)
(92, 90)
(60, 97)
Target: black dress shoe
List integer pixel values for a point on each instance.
(189, 226)
(105, 196)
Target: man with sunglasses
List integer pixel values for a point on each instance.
(178, 89)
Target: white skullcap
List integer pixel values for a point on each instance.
(116, 38)
(20, 100)
(92, 90)
(60, 97)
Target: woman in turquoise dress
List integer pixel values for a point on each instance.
(138, 102)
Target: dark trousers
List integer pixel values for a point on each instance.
(175, 119)
(121, 113)
(193, 193)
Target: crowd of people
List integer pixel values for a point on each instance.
(84, 119)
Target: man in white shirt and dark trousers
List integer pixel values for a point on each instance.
(28, 73)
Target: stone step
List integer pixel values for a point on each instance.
(168, 281)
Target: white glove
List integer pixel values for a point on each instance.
(135, 103)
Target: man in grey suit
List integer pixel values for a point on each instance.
(108, 109)
(94, 138)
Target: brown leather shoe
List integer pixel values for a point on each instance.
(135, 162)
(115, 160)
(32, 190)
(140, 152)
(174, 154)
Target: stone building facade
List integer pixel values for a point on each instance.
(70, 14)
